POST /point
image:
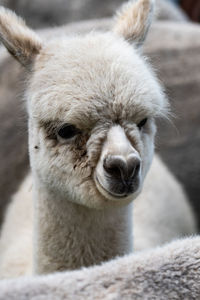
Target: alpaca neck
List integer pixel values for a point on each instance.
(69, 236)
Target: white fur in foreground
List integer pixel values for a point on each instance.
(169, 272)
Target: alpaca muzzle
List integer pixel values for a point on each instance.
(122, 174)
(118, 170)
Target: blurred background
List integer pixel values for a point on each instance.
(42, 13)
(174, 49)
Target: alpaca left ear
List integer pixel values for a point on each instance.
(133, 20)
(22, 42)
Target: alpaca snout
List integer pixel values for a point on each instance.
(119, 175)
(122, 174)
(119, 167)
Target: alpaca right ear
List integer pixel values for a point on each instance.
(134, 19)
(20, 41)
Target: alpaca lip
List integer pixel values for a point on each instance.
(119, 196)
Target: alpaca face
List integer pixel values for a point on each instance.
(92, 103)
(93, 100)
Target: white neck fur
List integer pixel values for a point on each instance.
(70, 236)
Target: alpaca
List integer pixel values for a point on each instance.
(14, 153)
(92, 105)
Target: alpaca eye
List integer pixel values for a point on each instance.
(67, 131)
(142, 123)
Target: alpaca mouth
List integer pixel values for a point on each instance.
(126, 192)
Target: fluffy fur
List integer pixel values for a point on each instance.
(161, 212)
(95, 82)
(170, 272)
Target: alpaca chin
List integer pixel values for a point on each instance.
(116, 199)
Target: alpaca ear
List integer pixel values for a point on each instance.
(134, 19)
(20, 41)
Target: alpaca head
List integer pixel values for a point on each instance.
(92, 102)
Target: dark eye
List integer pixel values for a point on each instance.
(67, 131)
(142, 123)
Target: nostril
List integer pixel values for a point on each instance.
(137, 168)
(133, 168)
(115, 167)
(120, 174)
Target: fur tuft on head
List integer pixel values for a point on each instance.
(134, 19)
(19, 40)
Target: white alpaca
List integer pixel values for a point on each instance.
(92, 103)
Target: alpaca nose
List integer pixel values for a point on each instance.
(121, 169)
(118, 169)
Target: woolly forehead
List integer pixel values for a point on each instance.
(96, 77)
